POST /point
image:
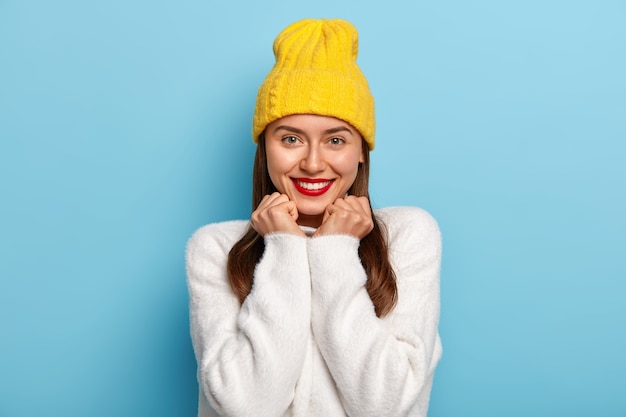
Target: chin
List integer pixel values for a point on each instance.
(312, 211)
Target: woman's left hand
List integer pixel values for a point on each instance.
(347, 216)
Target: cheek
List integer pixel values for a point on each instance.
(273, 172)
(348, 167)
(350, 170)
(277, 170)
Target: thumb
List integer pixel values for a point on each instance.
(330, 209)
(292, 209)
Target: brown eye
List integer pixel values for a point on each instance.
(336, 141)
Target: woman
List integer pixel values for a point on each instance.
(316, 306)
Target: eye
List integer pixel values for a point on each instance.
(336, 141)
(290, 140)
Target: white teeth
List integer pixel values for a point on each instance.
(312, 186)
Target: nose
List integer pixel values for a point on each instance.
(313, 161)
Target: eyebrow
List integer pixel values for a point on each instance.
(289, 129)
(301, 132)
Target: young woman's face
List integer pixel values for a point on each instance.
(313, 160)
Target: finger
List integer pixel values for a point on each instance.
(272, 200)
(349, 207)
(352, 199)
(260, 212)
(341, 204)
(327, 212)
(279, 216)
(265, 201)
(364, 202)
(292, 209)
(356, 214)
(352, 203)
(359, 205)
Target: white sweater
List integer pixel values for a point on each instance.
(306, 341)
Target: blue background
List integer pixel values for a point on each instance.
(125, 125)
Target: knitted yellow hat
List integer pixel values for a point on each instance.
(316, 73)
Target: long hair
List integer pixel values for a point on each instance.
(373, 249)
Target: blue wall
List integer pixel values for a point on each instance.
(124, 126)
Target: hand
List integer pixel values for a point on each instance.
(347, 216)
(276, 213)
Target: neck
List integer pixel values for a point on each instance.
(309, 220)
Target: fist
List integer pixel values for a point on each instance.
(347, 216)
(276, 213)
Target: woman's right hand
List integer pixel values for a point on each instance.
(276, 213)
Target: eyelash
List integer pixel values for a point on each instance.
(292, 140)
(340, 141)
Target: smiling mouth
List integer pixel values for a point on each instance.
(312, 187)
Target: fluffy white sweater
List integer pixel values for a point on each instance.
(306, 341)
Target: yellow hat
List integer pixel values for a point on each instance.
(316, 73)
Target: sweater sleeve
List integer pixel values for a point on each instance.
(382, 366)
(249, 356)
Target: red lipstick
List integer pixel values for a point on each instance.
(312, 186)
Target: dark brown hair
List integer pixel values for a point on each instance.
(373, 249)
